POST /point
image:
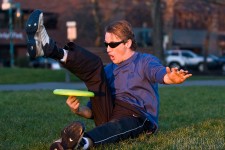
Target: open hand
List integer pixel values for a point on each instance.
(175, 76)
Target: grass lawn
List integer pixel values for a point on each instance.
(30, 75)
(190, 118)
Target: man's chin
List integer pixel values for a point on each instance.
(114, 61)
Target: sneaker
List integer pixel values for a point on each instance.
(84, 144)
(39, 43)
(36, 34)
(57, 145)
(72, 135)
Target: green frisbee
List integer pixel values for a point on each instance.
(69, 92)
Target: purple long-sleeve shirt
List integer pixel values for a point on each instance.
(136, 81)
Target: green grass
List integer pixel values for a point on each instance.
(190, 118)
(30, 75)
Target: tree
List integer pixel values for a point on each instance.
(212, 28)
(98, 21)
(157, 34)
(169, 22)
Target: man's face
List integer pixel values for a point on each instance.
(118, 53)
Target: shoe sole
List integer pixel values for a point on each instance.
(31, 29)
(77, 127)
(81, 136)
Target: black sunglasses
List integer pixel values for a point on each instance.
(113, 44)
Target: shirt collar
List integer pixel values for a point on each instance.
(129, 60)
(124, 63)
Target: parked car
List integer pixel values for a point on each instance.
(188, 60)
(220, 61)
(42, 62)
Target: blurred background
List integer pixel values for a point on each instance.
(182, 33)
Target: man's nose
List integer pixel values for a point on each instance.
(108, 49)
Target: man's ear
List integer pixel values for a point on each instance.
(128, 43)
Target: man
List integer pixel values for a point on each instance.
(126, 98)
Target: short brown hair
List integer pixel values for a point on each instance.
(123, 30)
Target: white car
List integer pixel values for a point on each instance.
(186, 59)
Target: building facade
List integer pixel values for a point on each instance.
(189, 28)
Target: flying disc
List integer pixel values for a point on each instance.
(69, 92)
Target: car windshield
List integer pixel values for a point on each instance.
(186, 54)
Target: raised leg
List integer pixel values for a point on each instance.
(82, 63)
(89, 68)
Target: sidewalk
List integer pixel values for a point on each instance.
(64, 85)
(41, 86)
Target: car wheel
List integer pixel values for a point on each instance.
(175, 65)
(201, 67)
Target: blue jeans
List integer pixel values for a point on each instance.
(117, 130)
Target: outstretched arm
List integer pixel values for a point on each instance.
(175, 76)
(75, 107)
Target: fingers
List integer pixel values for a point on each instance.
(168, 70)
(176, 70)
(179, 73)
(183, 72)
(187, 76)
(71, 99)
(73, 103)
